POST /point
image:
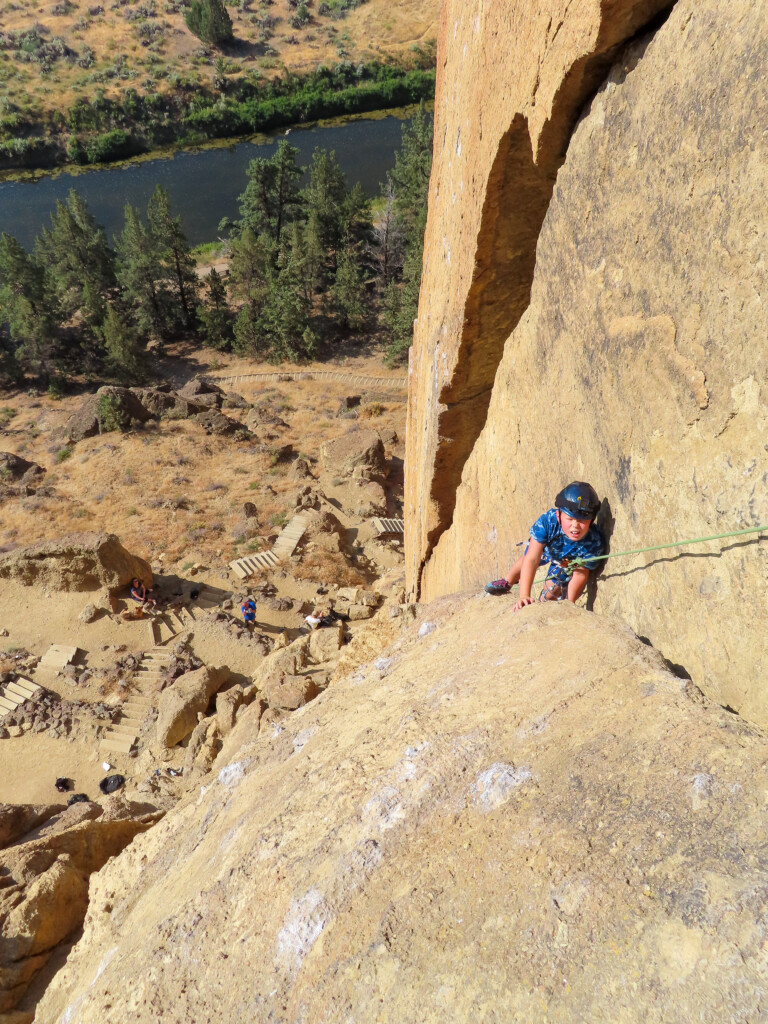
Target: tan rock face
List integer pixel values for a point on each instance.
(465, 829)
(512, 76)
(179, 704)
(359, 448)
(80, 561)
(642, 363)
(44, 891)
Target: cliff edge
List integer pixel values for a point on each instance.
(592, 309)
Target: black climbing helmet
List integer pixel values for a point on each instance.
(578, 500)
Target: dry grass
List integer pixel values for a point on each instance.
(168, 488)
(378, 28)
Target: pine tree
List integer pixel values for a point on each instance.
(140, 275)
(348, 291)
(214, 313)
(209, 20)
(122, 346)
(78, 264)
(251, 274)
(271, 198)
(174, 255)
(25, 314)
(324, 197)
(409, 184)
(286, 318)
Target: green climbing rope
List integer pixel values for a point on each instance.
(582, 562)
(578, 563)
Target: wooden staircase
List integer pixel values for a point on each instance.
(165, 625)
(121, 737)
(283, 548)
(57, 657)
(12, 695)
(387, 526)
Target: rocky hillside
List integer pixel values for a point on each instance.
(591, 309)
(459, 829)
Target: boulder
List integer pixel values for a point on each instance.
(80, 562)
(282, 661)
(300, 470)
(460, 830)
(227, 703)
(200, 386)
(89, 613)
(234, 401)
(263, 416)
(325, 530)
(161, 403)
(325, 643)
(290, 692)
(16, 820)
(15, 469)
(359, 447)
(124, 406)
(48, 875)
(357, 612)
(180, 703)
(214, 422)
(370, 500)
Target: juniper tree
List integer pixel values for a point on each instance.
(27, 321)
(175, 257)
(324, 197)
(409, 183)
(214, 313)
(272, 197)
(78, 265)
(122, 346)
(140, 275)
(348, 291)
(209, 20)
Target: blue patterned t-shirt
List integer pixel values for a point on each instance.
(561, 549)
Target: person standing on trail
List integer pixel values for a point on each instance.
(560, 535)
(248, 608)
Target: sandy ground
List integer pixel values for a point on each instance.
(118, 483)
(34, 763)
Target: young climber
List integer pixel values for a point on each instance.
(560, 535)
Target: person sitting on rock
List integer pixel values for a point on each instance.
(562, 534)
(317, 618)
(140, 593)
(248, 608)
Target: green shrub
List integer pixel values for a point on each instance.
(64, 453)
(109, 414)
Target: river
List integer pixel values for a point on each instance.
(203, 184)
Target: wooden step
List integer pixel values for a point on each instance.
(119, 729)
(23, 692)
(117, 744)
(23, 682)
(8, 705)
(391, 526)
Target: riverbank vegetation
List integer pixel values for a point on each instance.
(90, 83)
(306, 265)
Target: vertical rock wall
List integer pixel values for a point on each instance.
(512, 76)
(641, 361)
